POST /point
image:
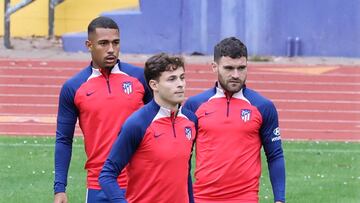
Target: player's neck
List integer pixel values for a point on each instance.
(173, 107)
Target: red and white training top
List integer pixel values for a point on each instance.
(232, 130)
(157, 145)
(101, 103)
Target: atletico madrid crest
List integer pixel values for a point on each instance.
(127, 87)
(188, 133)
(245, 115)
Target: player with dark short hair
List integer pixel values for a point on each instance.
(234, 123)
(101, 97)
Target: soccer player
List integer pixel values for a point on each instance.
(156, 141)
(234, 123)
(101, 96)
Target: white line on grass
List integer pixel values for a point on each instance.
(32, 145)
(322, 150)
(285, 150)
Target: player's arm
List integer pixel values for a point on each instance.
(190, 190)
(194, 119)
(191, 104)
(148, 96)
(123, 149)
(271, 140)
(190, 184)
(66, 120)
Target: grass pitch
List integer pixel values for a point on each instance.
(316, 171)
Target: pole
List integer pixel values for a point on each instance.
(8, 10)
(52, 5)
(51, 19)
(7, 43)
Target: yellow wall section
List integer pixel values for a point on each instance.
(75, 15)
(70, 16)
(28, 21)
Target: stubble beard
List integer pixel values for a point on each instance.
(228, 88)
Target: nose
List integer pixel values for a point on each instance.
(111, 48)
(235, 73)
(181, 83)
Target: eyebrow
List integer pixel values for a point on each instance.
(230, 66)
(177, 76)
(106, 40)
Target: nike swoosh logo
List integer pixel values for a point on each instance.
(158, 135)
(90, 93)
(208, 113)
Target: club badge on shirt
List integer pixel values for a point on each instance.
(188, 133)
(245, 114)
(127, 87)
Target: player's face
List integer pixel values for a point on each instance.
(231, 73)
(104, 45)
(169, 89)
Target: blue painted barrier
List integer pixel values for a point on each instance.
(318, 28)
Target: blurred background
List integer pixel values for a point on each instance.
(304, 56)
(268, 27)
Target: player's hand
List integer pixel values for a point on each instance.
(60, 197)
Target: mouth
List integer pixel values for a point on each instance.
(110, 58)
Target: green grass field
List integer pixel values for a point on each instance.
(316, 171)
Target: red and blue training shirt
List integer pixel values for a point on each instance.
(156, 144)
(232, 131)
(101, 102)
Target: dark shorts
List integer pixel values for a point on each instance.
(97, 196)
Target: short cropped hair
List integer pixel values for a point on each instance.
(160, 63)
(231, 47)
(102, 22)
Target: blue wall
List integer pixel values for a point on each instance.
(155, 28)
(324, 27)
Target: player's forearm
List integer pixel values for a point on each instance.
(190, 189)
(62, 162)
(277, 178)
(108, 182)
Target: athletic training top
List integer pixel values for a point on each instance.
(102, 103)
(232, 130)
(157, 144)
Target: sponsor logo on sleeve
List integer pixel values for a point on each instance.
(188, 133)
(276, 132)
(245, 115)
(127, 87)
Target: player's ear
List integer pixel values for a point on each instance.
(153, 85)
(88, 45)
(214, 66)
